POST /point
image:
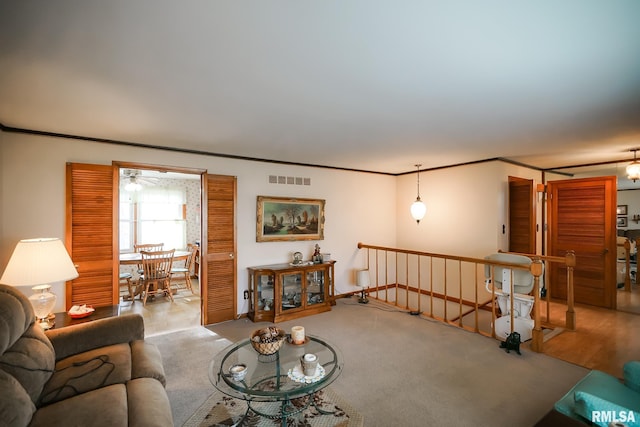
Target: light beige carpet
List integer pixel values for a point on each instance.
(222, 410)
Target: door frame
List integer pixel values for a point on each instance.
(117, 165)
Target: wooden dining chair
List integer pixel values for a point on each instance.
(149, 247)
(186, 269)
(126, 287)
(156, 273)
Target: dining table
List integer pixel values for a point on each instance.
(134, 258)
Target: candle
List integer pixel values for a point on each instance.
(297, 335)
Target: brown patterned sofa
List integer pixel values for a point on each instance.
(100, 373)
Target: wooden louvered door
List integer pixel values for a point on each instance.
(522, 219)
(219, 254)
(90, 235)
(581, 217)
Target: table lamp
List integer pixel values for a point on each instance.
(362, 280)
(39, 263)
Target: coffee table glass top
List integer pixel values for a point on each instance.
(276, 377)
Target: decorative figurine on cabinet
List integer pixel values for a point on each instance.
(317, 257)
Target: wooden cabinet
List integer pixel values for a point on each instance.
(282, 292)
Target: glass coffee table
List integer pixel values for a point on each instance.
(274, 386)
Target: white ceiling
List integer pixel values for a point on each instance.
(359, 84)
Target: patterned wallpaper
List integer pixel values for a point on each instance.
(192, 188)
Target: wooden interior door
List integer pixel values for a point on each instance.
(582, 217)
(522, 217)
(219, 253)
(90, 235)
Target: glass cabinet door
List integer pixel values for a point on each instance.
(264, 291)
(291, 291)
(315, 287)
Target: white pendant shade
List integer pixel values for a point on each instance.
(633, 171)
(418, 210)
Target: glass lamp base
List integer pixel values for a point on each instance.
(46, 322)
(43, 302)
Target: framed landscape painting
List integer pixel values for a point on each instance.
(288, 219)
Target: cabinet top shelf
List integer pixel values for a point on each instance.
(287, 266)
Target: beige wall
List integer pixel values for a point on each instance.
(32, 173)
(466, 206)
(631, 198)
(466, 209)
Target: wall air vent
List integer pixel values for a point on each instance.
(290, 180)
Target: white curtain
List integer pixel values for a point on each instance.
(161, 216)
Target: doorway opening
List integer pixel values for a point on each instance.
(161, 207)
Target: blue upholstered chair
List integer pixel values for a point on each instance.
(602, 399)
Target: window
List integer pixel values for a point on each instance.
(153, 215)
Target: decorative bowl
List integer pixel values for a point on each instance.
(268, 340)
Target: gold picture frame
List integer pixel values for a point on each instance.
(281, 219)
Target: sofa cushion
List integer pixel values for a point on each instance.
(105, 407)
(146, 361)
(30, 360)
(16, 407)
(602, 412)
(148, 403)
(16, 316)
(88, 371)
(25, 352)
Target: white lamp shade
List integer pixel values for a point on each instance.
(418, 210)
(633, 171)
(38, 262)
(362, 278)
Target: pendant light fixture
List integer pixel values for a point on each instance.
(633, 169)
(418, 208)
(133, 185)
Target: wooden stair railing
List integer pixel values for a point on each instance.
(392, 267)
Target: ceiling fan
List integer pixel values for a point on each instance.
(134, 181)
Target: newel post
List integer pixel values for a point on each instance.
(537, 337)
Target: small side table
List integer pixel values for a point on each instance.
(63, 319)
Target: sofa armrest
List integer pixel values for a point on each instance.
(98, 333)
(631, 371)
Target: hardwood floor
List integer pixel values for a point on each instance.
(603, 339)
(629, 301)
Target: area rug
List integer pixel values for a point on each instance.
(222, 410)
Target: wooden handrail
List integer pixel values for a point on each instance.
(448, 296)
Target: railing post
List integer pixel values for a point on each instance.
(537, 337)
(571, 314)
